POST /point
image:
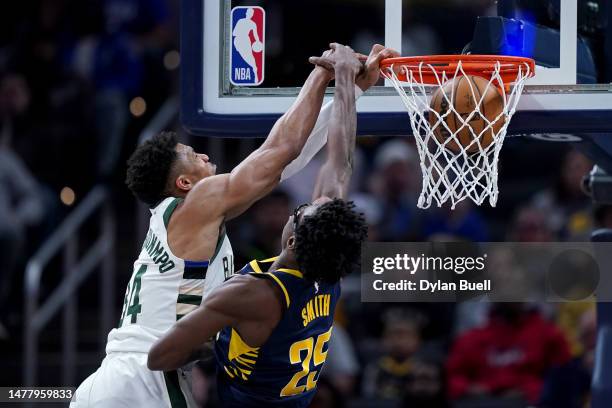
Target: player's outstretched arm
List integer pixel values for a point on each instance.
(243, 302)
(334, 177)
(335, 174)
(228, 195)
(318, 138)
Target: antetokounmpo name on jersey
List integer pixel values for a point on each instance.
(156, 251)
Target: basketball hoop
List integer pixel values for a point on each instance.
(459, 150)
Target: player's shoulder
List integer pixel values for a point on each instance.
(207, 196)
(257, 275)
(210, 187)
(254, 297)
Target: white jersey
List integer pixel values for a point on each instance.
(163, 288)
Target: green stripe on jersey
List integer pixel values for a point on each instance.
(177, 399)
(222, 234)
(170, 209)
(190, 299)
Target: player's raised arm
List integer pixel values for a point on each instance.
(334, 177)
(335, 174)
(241, 301)
(228, 195)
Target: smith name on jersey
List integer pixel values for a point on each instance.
(163, 287)
(283, 372)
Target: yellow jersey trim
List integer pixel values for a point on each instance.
(228, 372)
(255, 263)
(255, 266)
(282, 287)
(291, 272)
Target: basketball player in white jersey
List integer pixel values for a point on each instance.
(186, 252)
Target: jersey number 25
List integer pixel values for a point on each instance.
(317, 355)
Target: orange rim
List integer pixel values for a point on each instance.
(481, 65)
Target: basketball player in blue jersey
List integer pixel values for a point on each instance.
(275, 317)
(186, 253)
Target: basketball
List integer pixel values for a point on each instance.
(257, 46)
(464, 92)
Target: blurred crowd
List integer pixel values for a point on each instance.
(78, 81)
(75, 81)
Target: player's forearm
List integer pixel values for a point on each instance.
(335, 174)
(291, 131)
(185, 341)
(343, 124)
(172, 351)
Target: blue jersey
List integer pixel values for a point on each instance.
(283, 372)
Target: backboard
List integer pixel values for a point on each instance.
(570, 98)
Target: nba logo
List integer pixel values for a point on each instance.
(247, 56)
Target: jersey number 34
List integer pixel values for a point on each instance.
(131, 303)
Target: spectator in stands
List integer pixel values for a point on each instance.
(301, 185)
(370, 206)
(260, 238)
(341, 365)
(118, 59)
(531, 224)
(567, 207)
(464, 222)
(395, 182)
(508, 357)
(569, 386)
(569, 318)
(402, 372)
(327, 396)
(53, 131)
(20, 206)
(14, 102)
(20, 202)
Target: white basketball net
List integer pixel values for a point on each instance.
(449, 175)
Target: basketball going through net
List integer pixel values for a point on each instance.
(459, 108)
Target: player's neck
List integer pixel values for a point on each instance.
(284, 260)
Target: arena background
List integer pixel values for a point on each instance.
(82, 82)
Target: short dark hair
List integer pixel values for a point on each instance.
(150, 166)
(328, 242)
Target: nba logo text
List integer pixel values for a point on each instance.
(248, 46)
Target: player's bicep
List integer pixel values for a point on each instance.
(229, 195)
(255, 177)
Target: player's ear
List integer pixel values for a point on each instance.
(183, 183)
(291, 242)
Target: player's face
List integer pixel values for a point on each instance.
(298, 214)
(197, 165)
